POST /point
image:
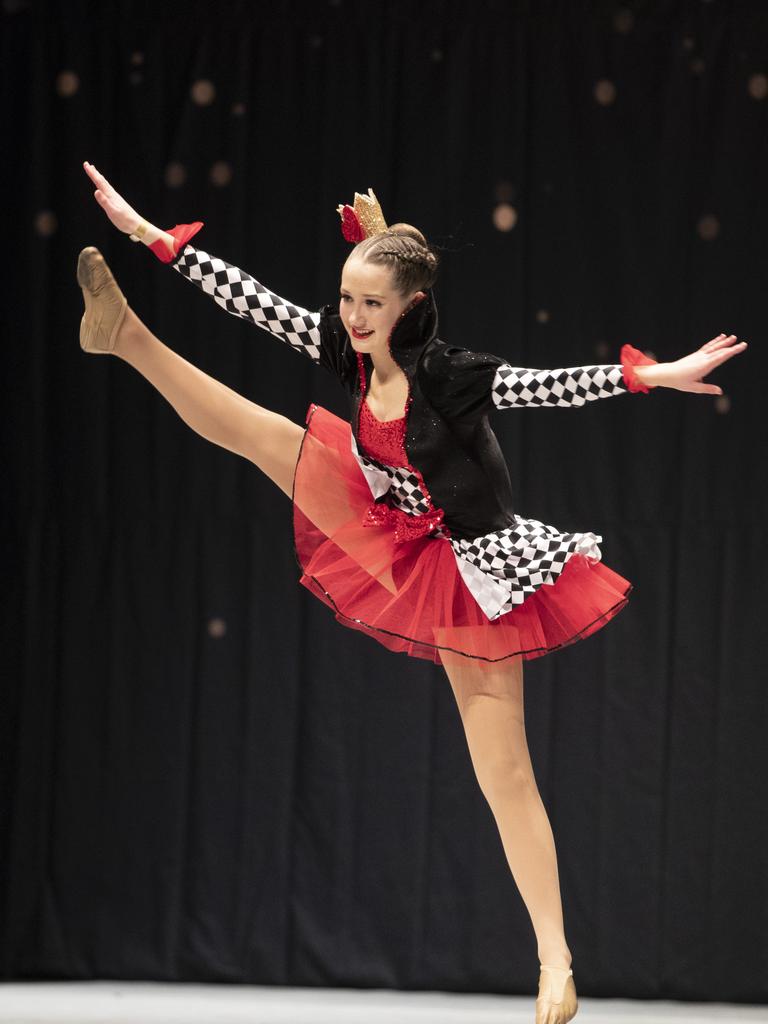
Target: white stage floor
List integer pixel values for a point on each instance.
(139, 1002)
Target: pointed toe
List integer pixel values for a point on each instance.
(85, 262)
(105, 304)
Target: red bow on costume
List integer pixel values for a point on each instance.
(406, 527)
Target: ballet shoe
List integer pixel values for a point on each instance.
(105, 304)
(556, 1002)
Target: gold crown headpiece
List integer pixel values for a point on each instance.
(363, 219)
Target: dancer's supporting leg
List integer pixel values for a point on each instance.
(490, 702)
(214, 411)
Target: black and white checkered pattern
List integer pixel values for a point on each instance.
(502, 569)
(405, 492)
(243, 296)
(576, 385)
(404, 488)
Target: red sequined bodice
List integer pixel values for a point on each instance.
(383, 441)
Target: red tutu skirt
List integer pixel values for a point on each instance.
(410, 596)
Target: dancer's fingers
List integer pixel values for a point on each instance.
(98, 178)
(717, 342)
(92, 173)
(721, 355)
(708, 345)
(727, 339)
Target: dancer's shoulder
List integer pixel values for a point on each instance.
(458, 380)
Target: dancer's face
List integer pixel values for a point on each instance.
(369, 305)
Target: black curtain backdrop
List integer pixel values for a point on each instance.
(204, 776)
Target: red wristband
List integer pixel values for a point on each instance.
(182, 234)
(631, 357)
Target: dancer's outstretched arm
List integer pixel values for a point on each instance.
(574, 386)
(467, 384)
(233, 289)
(242, 295)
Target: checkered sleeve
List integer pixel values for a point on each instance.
(243, 296)
(515, 386)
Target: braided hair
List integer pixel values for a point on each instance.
(404, 250)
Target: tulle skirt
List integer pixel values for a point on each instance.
(410, 596)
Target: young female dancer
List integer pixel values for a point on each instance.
(403, 520)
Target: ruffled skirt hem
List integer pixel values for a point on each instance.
(410, 596)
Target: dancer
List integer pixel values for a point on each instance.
(403, 520)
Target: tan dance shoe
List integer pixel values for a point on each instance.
(556, 1002)
(105, 304)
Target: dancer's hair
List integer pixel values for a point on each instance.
(404, 250)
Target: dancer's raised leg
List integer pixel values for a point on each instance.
(490, 702)
(209, 407)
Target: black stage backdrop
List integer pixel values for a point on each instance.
(204, 776)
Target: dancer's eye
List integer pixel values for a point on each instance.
(368, 302)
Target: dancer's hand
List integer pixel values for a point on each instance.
(123, 216)
(686, 374)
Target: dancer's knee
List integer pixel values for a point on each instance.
(503, 779)
(476, 684)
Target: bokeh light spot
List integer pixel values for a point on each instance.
(175, 174)
(757, 87)
(708, 227)
(723, 403)
(67, 83)
(137, 58)
(221, 173)
(203, 92)
(505, 192)
(602, 349)
(604, 92)
(46, 223)
(542, 316)
(698, 66)
(623, 20)
(504, 217)
(238, 109)
(217, 628)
